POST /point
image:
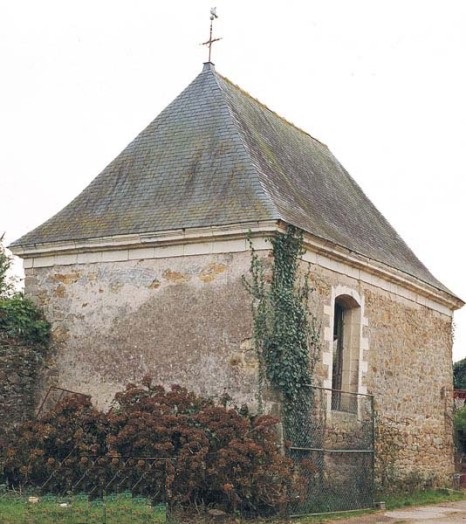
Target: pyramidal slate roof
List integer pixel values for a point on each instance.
(216, 156)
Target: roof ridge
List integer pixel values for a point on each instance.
(246, 146)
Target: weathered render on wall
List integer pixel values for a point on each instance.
(184, 320)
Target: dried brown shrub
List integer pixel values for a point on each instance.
(172, 443)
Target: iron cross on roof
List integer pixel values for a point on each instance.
(213, 16)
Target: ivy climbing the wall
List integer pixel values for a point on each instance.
(286, 336)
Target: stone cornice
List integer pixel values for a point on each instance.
(157, 239)
(224, 238)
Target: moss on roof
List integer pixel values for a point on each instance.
(216, 156)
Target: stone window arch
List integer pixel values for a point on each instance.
(346, 349)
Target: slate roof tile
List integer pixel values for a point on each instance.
(216, 156)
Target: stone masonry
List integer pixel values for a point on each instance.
(187, 320)
(408, 369)
(19, 369)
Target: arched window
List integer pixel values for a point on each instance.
(346, 346)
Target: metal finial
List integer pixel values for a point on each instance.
(213, 16)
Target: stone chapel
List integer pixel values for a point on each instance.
(142, 272)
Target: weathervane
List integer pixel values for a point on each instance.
(213, 16)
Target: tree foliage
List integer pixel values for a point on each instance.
(20, 319)
(459, 419)
(459, 374)
(5, 264)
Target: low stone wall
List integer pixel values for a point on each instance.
(19, 367)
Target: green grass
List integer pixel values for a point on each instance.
(421, 498)
(117, 509)
(123, 508)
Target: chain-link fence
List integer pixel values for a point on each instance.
(85, 489)
(105, 489)
(334, 453)
(331, 445)
(53, 396)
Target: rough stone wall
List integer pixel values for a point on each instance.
(19, 366)
(184, 320)
(408, 370)
(410, 373)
